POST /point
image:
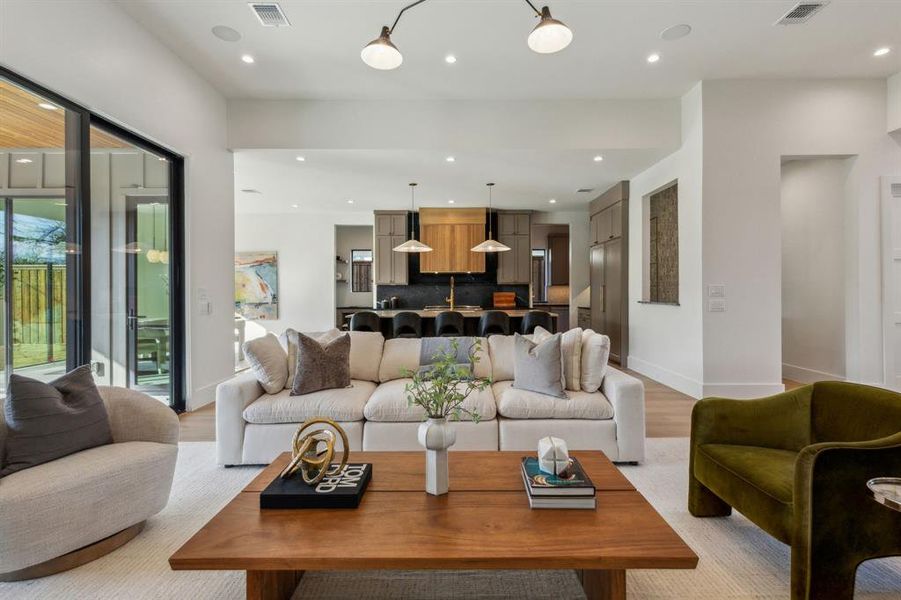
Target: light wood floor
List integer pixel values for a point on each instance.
(668, 413)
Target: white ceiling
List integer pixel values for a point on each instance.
(377, 179)
(319, 56)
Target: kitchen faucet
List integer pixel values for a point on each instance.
(451, 299)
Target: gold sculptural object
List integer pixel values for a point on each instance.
(312, 463)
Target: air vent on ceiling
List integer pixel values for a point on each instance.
(801, 12)
(270, 14)
(251, 191)
(896, 190)
(584, 190)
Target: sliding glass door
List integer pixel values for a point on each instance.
(91, 242)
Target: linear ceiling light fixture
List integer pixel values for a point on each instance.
(549, 36)
(490, 245)
(412, 245)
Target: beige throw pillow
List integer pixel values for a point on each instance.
(366, 355)
(571, 344)
(291, 343)
(268, 362)
(595, 353)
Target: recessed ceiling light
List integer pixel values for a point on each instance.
(295, 206)
(23, 161)
(552, 201)
(248, 59)
(598, 158)
(450, 201)
(225, 33)
(882, 51)
(299, 158)
(47, 106)
(652, 58)
(450, 59)
(675, 32)
(350, 201)
(450, 159)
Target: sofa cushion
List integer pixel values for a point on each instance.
(399, 354)
(522, 404)
(268, 361)
(595, 353)
(342, 404)
(366, 354)
(571, 345)
(500, 350)
(389, 404)
(758, 482)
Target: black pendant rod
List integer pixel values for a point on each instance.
(411, 5)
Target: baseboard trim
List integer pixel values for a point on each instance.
(678, 382)
(805, 375)
(742, 390)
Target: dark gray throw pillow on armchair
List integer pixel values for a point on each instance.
(47, 421)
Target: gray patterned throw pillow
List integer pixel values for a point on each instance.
(321, 366)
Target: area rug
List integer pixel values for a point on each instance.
(737, 560)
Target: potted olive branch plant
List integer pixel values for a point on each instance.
(440, 390)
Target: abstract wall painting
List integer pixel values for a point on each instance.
(256, 285)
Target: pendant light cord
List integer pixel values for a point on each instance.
(490, 229)
(412, 192)
(409, 6)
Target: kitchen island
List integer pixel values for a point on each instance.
(471, 318)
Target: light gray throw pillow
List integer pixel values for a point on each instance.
(268, 361)
(321, 366)
(47, 421)
(538, 367)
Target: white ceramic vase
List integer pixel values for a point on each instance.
(436, 435)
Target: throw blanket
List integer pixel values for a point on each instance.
(433, 346)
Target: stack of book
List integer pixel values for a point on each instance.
(549, 491)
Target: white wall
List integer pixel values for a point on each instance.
(813, 268)
(93, 53)
(306, 265)
(748, 127)
(893, 100)
(665, 342)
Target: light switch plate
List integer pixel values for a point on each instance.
(717, 305)
(716, 290)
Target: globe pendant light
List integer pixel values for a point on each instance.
(412, 245)
(153, 255)
(490, 245)
(550, 35)
(381, 54)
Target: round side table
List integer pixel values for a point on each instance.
(886, 491)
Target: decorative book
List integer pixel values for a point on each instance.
(343, 490)
(540, 483)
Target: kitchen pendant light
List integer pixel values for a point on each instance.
(153, 255)
(549, 36)
(490, 245)
(412, 245)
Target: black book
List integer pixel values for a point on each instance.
(344, 490)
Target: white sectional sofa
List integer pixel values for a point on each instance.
(253, 427)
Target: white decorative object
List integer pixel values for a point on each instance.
(553, 456)
(436, 435)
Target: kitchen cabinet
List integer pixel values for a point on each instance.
(451, 233)
(514, 230)
(558, 250)
(606, 224)
(390, 267)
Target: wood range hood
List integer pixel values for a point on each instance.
(451, 232)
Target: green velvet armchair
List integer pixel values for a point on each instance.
(797, 465)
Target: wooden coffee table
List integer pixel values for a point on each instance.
(484, 523)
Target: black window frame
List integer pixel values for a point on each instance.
(79, 121)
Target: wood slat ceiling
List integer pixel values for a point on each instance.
(23, 124)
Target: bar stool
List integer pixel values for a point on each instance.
(449, 324)
(365, 321)
(536, 318)
(494, 322)
(407, 324)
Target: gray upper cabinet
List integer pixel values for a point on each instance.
(616, 220)
(607, 224)
(514, 230)
(390, 231)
